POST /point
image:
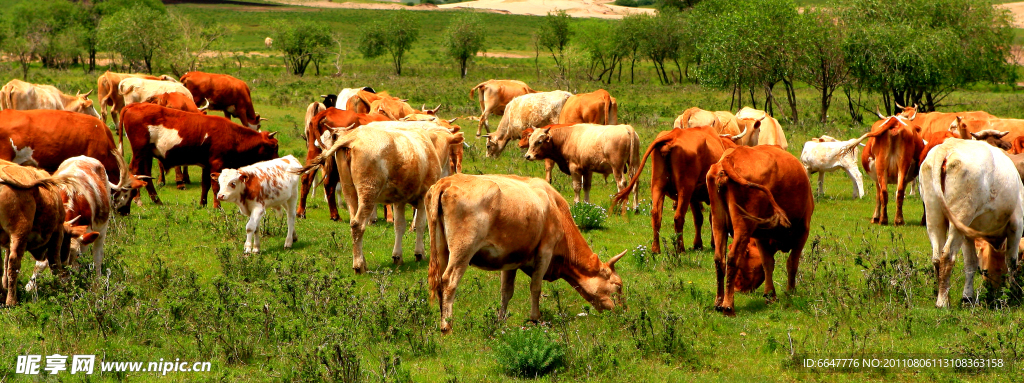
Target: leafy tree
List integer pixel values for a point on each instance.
(194, 39)
(138, 34)
(663, 42)
(604, 51)
(555, 35)
(392, 36)
(303, 43)
(464, 38)
(629, 34)
(93, 11)
(822, 61)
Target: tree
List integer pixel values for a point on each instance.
(464, 38)
(629, 34)
(194, 39)
(302, 43)
(93, 11)
(392, 36)
(137, 33)
(605, 52)
(821, 57)
(663, 42)
(26, 33)
(555, 35)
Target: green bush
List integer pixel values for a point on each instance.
(528, 353)
(588, 216)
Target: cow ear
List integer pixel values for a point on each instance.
(89, 237)
(243, 177)
(757, 125)
(215, 175)
(458, 139)
(1002, 134)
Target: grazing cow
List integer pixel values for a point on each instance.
(581, 150)
(723, 121)
(524, 144)
(269, 42)
(510, 223)
(20, 95)
(527, 111)
(892, 154)
(378, 164)
(257, 187)
(681, 159)
(224, 93)
(179, 138)
(597, 107)
(760, 194)
(32, 219)
(362, 100)
(108, 90)
(826, 154)
(348, 98)
(763, 129)
(133, 90)
(970, 191)
(315, 127)
(46, 138)
(183, 102)
(937, 121)
(494, 96)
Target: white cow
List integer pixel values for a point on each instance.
(269, 42)
(970, 190)
(254, 188)
(826, 154)
(139, 89)
(532, 110)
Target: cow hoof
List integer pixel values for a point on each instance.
(719, 308)
(770, 298)
(968, 301)
(729, 312)
(899, 222)
(698, 246)
(419, 257)
(359, 269)
(333, 217)
(300, 215)
(446, 328)
(181, 186)
(397, 260)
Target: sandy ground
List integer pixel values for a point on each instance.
(576, 8)
(1018, 13)
(350, 5)
(502, 55)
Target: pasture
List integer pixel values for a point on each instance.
(175, 283)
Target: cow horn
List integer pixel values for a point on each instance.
(611, 262)
(915, 106)
(264, 119)
(72, 221)
(899, 106)
(436, 108)
(205, 107)
(271, 134)
(739, 136)
(879, 113)
(86, 95)
(423, 107)
(122, 168)
(452, 120)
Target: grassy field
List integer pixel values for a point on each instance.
(176, 285)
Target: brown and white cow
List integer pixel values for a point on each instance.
(107, 89)
(508, 223)
(133, 90)
(32, 219)
(763, 129)
(892, 154)
(723, 121)
(597, 107)
(267, 184)
(532, 110)
(938, 121)
(20, 95)
(383, 165)
(179, 138)
(183, 102)
(494, 96)
(46, 138)
(524, 144)
(762, 195)
(581, 150)
(224, 93)
(680, 160)
(315, 127)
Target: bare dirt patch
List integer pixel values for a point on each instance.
(1017, 9)
(504, 55)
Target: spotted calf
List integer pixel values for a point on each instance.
(254, 188)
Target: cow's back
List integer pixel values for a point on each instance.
(598, 146)
(784, 175)
(399, 163)
(56, 135)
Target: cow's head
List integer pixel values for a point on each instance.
(599, 288)
(495, 144)
(258, 124)
(82, 104)
(750, 271)
(751, 129)
(232, 184)
(268, 148)
(75, 238)
(908, 112)
(993, 261)
(993, 137)
(329, 100)
(127, 186)
(540, 144)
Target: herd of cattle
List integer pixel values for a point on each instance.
(62, 175)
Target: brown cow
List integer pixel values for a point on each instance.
(510, 223)
(179, 138)
(343, 100)
(362, 101)
(317, 125)
(681, 159)
(20, 95)
(581, 150)
(597, 107)
(397, 109)
(457, 151)
(524, 143)
(760, 194)
(107, 86)
(224, 93)
(494, 96)
(938, 121)
(893, 153)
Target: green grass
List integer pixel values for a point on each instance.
(180, 287)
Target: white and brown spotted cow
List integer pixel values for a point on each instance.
(532, 110)
(255, 188)
(133, 90)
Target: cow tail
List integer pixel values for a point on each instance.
(5, 98)
(995, 236)
(478, 86)
(624, 194)
(438, 241)
(778, 215)
(319, 161)
(62, 181)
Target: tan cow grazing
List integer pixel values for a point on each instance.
(527, 111)
(508, 223)
(32, 219)
(524, 144)
(20, 95)
(763, 129)
(938, 121)
(584, 149)
(762, 195)
(723, 121)
(255, 188)
(892, 155)
(107, 89)
(494, 96)
(381, 165)
(133, 90)
(597, 107)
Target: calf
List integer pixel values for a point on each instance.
(951, 177)
(254, 188)
(507, 223)
(826, 154)
(527, 111)
(747, 185)
(584, 149)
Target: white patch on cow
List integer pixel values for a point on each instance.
(163, 139)
(22, 156)
(205, 136)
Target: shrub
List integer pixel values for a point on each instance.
(303, 43)
(528, 353)
(392, 36)
(138, 34)
(464, 38)
(588, 216)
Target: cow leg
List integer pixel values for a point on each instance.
(97, 250)
(793, 262)
(420, 224)
(720, 239)
(508, 286)
(483, 121)
(901, 188)
(588, 176)
(399, 218)
(360, 218)
(679, 217)
(32, 284)
(738, 250)
(698, 223)
(330, 181)
(16, 250)
(306, 183)
(252, 234)
(944, 266)
(150, 188)
(292, 237)
(857, 179)
(458, 263)
(577, 184)
(971, 268)
(548, 165)
(768, 264)
(161, 177)
(180, 174)
(883, 198)
(821, 183)
(543, 260)
(657, 205)
(205, 183)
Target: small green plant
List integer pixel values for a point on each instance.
(588, 216)
(528, 353)
(642, 257)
